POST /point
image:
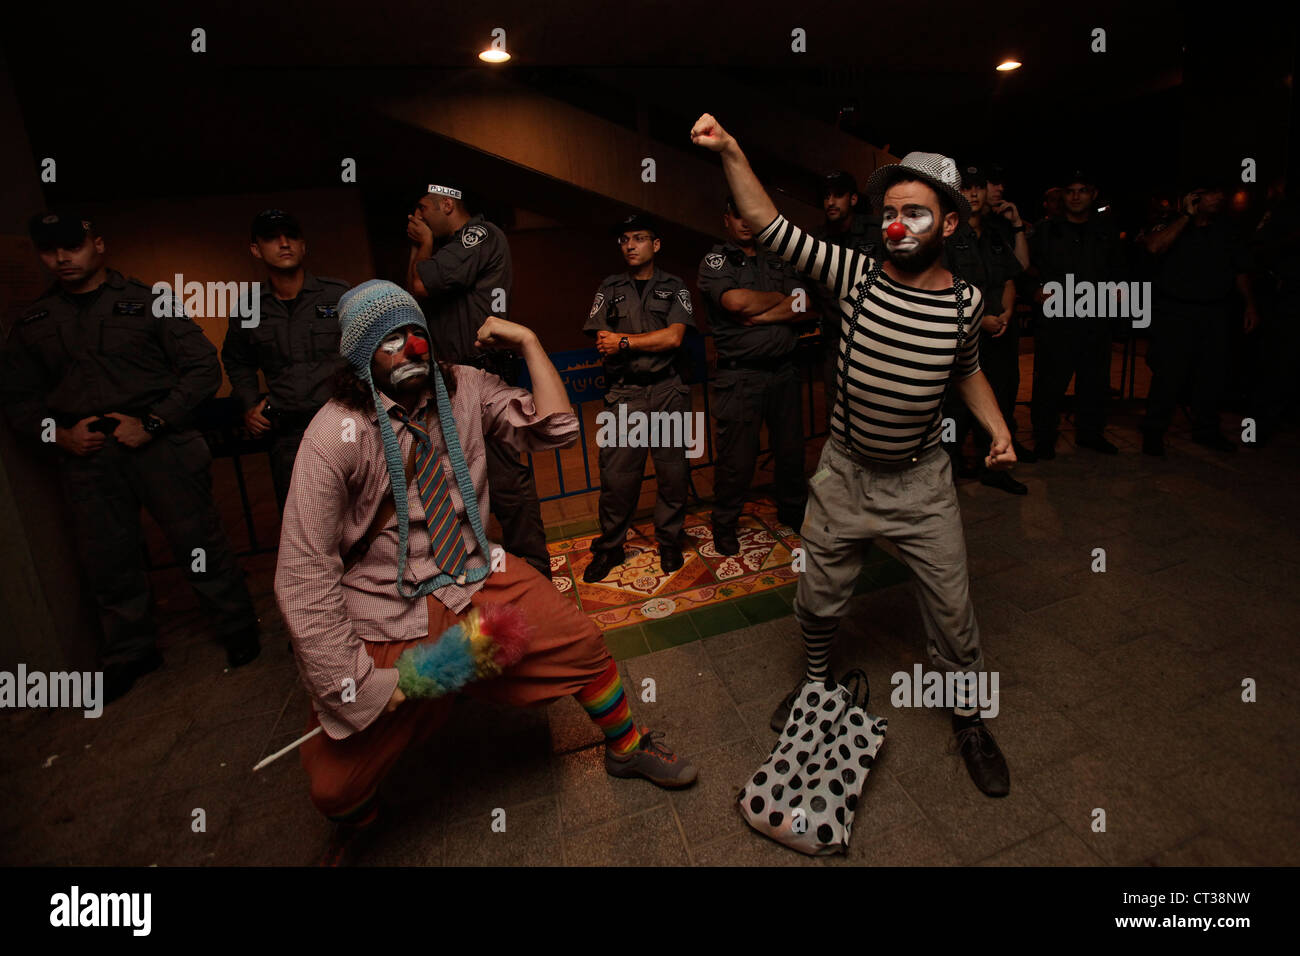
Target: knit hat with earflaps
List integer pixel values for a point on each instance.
(367, 314)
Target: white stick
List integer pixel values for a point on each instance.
(284, 750)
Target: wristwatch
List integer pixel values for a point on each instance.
(153, 424)
(623, 344)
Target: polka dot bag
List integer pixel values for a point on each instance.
(807, 791)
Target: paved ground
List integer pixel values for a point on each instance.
(1119, 691)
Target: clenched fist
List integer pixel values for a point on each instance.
(498, 333)
(708, 132)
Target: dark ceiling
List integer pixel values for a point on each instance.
(281, 81)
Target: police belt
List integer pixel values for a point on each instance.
(641, 378)
(755, 364)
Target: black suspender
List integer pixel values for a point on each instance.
(859, 307)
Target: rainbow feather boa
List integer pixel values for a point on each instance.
(481, 645)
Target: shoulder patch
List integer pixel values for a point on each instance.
(714, 260)
(663, 293)
(471, 236)
(128, 307)
(684, 297)
(595, 305)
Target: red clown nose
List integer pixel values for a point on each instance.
(895, 230)
(416, 346)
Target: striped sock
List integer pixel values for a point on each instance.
(817, 640)
(606, 704)
(965, 703)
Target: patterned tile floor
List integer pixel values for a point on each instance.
(642, 609)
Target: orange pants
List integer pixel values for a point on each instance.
(567, 653)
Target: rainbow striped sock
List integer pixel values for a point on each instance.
(606, 704)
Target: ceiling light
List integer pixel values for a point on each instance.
(494, 56)
(1006, 66)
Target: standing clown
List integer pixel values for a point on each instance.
(385, 575)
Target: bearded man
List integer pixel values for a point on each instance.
(377, 556)
(907, 329)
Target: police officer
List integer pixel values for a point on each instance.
(111, 373)
(850, 227)
(752, 305)
(460, 270)
(294, 341)
(1086, 245)
(846, 224)
(639, 319)
(1201, 264)
(981, 252)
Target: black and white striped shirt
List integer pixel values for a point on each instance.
(902, 354)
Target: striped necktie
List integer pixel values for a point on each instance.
(440, 514)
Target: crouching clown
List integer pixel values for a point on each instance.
(385, 576)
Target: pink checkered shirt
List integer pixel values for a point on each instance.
(340, 479)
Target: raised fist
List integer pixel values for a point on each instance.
(708, 132)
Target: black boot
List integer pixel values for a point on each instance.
(243, 648)
(602, 562)
(725, 541)
(1097, 442)
(1003, 481)
(984, 760)
(670, 558)
(120, 678)
(1023, 453)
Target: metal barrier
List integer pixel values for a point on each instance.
(583, 375)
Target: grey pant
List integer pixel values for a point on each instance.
(621, 469)
(851, 502)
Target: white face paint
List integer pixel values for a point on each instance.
(393, 344)
(917, 219)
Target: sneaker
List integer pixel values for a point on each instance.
(1004, 482)
(652, 760)
(1096, 442)
(984, 760)
(670, 558)
(1153, 443)
(725, 541)
(601, 564)
(782, 712)
(120, 678)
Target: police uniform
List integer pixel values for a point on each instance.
(756, 382)
(1193, 298)
(296, 345)
(467, 276)
(988, 260)
(123, 350)
(644, 382)
(1069, 346)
